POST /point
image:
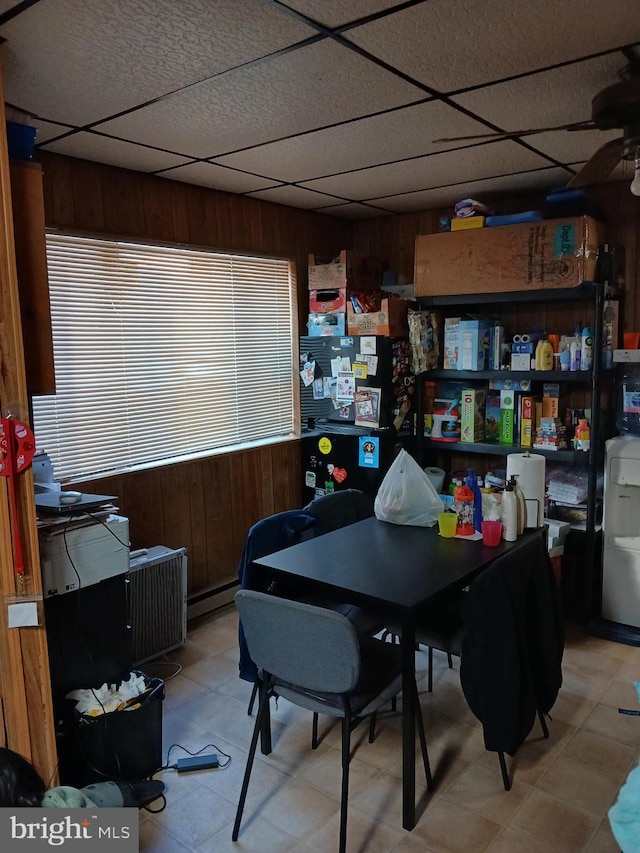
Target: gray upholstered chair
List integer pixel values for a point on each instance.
(313, 657)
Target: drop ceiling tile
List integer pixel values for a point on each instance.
(334, 13)
(354, 211)
(302, 90)
(463, 164)
(217, 178)
(296, 197)
(47, 129)
(568, 147)
(549, 98)
(6, 5)
(543, 179)
(78, 61)
(454, 45)
(406, 132)
(115, 152)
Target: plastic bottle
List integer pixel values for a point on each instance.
(472, 482)
(586, 349)
(574, 356)
(628, 418)
(509, 514)
(544, 355)
(463, 503)
(522, 504)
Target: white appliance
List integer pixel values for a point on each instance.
(621, 554)
(157, 601)
(74, 555)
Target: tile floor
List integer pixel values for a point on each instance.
(561, 791)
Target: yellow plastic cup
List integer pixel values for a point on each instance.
(447, 523)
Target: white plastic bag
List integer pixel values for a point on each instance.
(406, 495)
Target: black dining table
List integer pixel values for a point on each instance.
(395, 570)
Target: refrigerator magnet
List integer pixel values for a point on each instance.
(368, 344)
(360, 370)
(369, 452)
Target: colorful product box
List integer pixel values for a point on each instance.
(451, 333)
(507, 416)
(492, 418)
(551, 400)
(328, 301)
(473, 344)
(472, 414)
(326, 324)
(527, 421)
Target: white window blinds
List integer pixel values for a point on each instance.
(163, 352)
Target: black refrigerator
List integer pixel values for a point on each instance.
(356, 402)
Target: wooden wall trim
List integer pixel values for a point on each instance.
(24, 663)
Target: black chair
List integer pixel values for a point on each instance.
(314, 658)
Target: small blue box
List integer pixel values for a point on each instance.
(21, 140)
(473, 344)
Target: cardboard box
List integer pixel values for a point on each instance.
(451, 334)
(551, 400)
(473, 344)
(328, 301)
(326, 324)
(520, 361)
(492, 418)
(391, 319)
(352, 269)
(532, 255)
(527, 421)
(472, 414)
(626, 356)
(467, 223)
(507, 416)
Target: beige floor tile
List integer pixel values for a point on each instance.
(364, 835)
(155, 839)
(621, 693)
(515, 841)
(299, 809)
(571, 708)
(554, 822)
(583, 786)
(213, 671)
(605, 720)
(603, 841)
(601, 754)
(481, 790)
(181, 691)
(449, 828)
(256, 836)
(197, 815)
(326, 773)
(382, 799)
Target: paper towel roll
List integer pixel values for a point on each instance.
(436, 475)
(529, 469)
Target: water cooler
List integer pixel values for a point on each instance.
(621, 556)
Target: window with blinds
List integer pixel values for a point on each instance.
(163, 352)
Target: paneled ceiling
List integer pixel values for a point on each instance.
(329, 105)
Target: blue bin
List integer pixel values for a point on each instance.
(21, 140)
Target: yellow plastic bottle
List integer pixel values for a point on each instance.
(544, 355)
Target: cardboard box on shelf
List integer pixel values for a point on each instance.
(391, 319)
(352, 270)
(467, 223)
(472, 414)
(533, 255)
(328, 301)
(473, 344)
(507, 416)
(492, 418)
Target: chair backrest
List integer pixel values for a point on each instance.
(301, 644)
(269, 535)
(338, 509)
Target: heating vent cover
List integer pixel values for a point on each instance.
(157, 601)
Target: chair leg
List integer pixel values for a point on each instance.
(449, 660)
(423, 740)
(372, 726)
(505, 776)
(264, 704)
(314, 731)
(430, 671)
(254, 693)
(346, 756)
(543, 723)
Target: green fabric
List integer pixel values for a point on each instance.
(65, 797)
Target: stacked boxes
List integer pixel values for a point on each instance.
(451, 334)
(331, 285)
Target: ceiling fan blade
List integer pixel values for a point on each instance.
(605, 159)
(505, 134)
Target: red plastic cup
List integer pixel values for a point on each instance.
(491, 532)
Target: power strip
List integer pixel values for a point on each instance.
(196, 762)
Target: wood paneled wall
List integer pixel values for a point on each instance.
(205, 505)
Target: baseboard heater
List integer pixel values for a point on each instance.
(157, 601)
